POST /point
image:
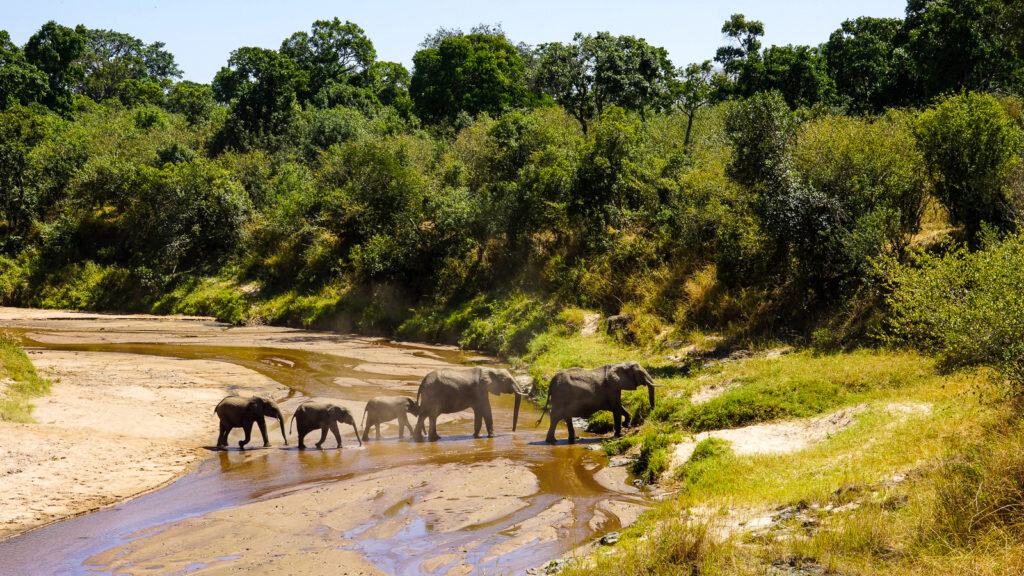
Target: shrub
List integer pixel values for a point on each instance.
(704, 454)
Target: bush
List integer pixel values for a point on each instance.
(704, 454)
(965, 306)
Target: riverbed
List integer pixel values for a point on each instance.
(131, 419)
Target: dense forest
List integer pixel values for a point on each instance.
(767, 192)
(858, 201)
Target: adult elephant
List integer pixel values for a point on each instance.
(241, 412)
(325, 416)
(385, 408)
(579, 393)
(453, 390)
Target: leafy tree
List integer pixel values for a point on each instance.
(868, 63)
(741, 59)
(600, 71)
(260, 85)
(472, 74)
(971, 149)
(55, 50)
(192, 100)
(796, 72)
(963, 45)
(331, 53)
(20, 82)
(116, 64)
(695, 89)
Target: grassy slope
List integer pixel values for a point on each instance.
(915, 422)
(22, 382)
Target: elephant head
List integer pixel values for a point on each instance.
(630, 376)
(412, 407)
(499, 381)
(265, 407)
(339, 414)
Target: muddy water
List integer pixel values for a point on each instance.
(93, 543)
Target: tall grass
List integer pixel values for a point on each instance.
(22, 381)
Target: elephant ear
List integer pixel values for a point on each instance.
(622, 376)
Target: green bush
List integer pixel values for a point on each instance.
(704, 455)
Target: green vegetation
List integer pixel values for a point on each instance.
(857, 201)
(19, 380)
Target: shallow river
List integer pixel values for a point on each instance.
(399, 527)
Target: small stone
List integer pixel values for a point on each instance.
(610, 539)
(616, 462)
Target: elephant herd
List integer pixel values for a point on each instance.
(573, 393)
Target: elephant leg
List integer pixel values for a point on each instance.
(477, 422)
(222, 438)
(337, 434)
(572, 430)
(377, 428)
(247, 427)
(323, 436)
(263, 431)
(302, 434)
(489, 421)
(627, 418)
(616, 420)
(433, 428)
(550, 439)
(403, 423)
(366, 431)
(417, 434)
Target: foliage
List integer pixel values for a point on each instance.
(971, 149)
(22, 381)
(965, 306)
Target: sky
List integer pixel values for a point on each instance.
(202, 34)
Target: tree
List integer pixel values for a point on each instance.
(600, 71)
(796, 72)
(963, 45)
(473, 73)
(20, 81)
(55, 50)
(260, 85)
(115, 64)
(695, 90)
(867, 61)
(741, 59)
(192, 100)
(971, 149)
(331, 53)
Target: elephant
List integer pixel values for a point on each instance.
(579, 393)
(322, 415)
(385, 408)
(452, 390)
(241, 412)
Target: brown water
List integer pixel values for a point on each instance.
(232, 478)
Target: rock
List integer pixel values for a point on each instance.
(610, 539)
(579, 423)
(616, 462)
(672, 344)
(620, 324)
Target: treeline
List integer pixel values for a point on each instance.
(753, 194)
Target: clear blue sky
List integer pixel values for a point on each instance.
(202, 34)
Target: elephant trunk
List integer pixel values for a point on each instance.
(515, 411)
(356, 430)
(280, 418)
(650, 394)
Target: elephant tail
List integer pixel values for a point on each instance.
(290, 424)
(547, 402)
(363, 419)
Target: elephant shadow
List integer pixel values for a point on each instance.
(579, 441)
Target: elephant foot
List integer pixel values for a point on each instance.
(302, 446)
(550, 440)
(319, 447)
(367, 438)
(490, 435)
(435, 438)
(266, 444)
(241, 445)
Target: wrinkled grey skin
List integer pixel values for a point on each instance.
(241, 412)
(386, 408)
(453, 390)
(578, 393)
(322, 415)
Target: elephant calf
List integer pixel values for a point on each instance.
(386, 408)
(322, 415)
(240, 412)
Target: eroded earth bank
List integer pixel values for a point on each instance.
(117, 475)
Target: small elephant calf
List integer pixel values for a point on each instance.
(385, 408)
(322, 415)
(241, 412)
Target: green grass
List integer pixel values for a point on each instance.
(22, 381)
